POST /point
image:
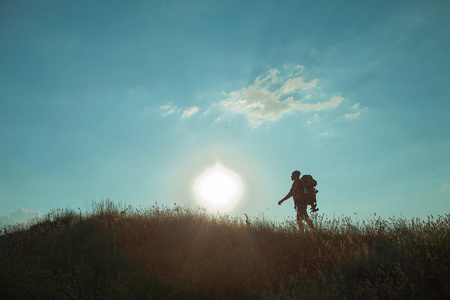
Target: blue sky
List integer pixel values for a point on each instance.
(133, 100)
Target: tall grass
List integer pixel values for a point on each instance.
(120, 252)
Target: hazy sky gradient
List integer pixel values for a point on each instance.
(132, 100)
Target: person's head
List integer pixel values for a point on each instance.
(295, 175)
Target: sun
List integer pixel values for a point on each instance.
(218, 189)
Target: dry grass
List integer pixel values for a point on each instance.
(117, 251)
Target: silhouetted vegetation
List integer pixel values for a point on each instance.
(119, 252)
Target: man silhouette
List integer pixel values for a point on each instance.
(300, 201)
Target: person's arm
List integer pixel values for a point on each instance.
(289, 195)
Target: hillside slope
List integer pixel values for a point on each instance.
(119, 252)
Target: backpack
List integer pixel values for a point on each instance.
(309, 184)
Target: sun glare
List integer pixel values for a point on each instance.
(218, 189)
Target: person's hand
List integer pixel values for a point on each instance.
(279, 202)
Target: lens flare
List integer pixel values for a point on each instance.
(218, 189)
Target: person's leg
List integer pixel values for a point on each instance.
(309, 222)
(301, 213)
(300, 224)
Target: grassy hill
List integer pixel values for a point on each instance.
(117, 252)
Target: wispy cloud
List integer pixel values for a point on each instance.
(272, 96)
(168, 109)
(332, 103)
(187, 113)
(357, 111)
(19, 216)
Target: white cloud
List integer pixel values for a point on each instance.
(168, 109)
(332, 103)
(357, 111)
(269, 98)
(187, 113)
(352, 115)
(19, 216)
(297, 83)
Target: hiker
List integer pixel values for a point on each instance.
(300, 201)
